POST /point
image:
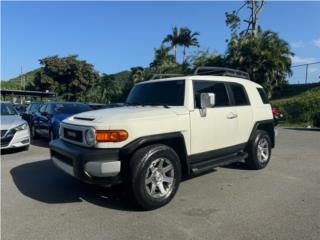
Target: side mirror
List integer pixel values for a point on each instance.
(207, 100)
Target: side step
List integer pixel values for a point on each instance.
(212, 163)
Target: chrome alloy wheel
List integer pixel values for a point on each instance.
(159, 178)
(263, 150)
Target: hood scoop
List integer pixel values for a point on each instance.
(84, 118)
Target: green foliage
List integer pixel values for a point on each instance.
(301, 108)
(207, 58)
(266, 57)
(181, 37)
(69, 77)
(105, 90)
(163, 60)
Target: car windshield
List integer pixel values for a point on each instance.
(70, 108)
(170, 93)
(7, 109)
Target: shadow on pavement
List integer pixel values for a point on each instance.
(304, 129)
(43, 182)
(40, 143)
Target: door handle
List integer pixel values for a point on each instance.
(232, 115)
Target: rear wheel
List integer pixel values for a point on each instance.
(154, 176)
(259, 150)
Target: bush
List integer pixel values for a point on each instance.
(300, 109)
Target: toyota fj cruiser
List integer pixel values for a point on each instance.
(167, 128)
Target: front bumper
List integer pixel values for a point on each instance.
(19, 139)
(96, 166)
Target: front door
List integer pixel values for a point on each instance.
(214, 128)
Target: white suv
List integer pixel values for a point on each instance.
(169, 127)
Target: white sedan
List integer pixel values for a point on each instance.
(15, 131)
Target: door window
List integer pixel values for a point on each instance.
(219, 89)
(239, 95)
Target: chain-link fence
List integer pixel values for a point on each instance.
(305, 73)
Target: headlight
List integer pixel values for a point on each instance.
(21, 127)
(90, 136)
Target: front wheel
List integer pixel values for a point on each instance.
(259, 150)
(154, 176)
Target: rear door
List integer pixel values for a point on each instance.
(243, 111)
(216, 129)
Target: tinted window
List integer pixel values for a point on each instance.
(69, 108)
(239, 95)
(7, 109)
(218, 89)
(158, 93)
(263, 95)
(35, 107)
(42, 108)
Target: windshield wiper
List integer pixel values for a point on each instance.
(158, 104)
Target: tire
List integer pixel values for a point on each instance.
(34, 134)
(26, 148)
(259, 150)
(316, 120)
(154, 175)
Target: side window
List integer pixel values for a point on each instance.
(263, 95)
(43, 108)
(217, 88)
(239, 94)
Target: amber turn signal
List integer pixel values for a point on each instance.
(111, 135)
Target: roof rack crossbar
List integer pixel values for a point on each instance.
(221, 71)
(165, 75)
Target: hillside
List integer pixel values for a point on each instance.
(15, 83)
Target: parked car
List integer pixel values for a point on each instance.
(316, 120)
(14, 130)
(30, 112)
(21, 108)
(46, 121)
(277, 116)
(96, 106)
(169, 127)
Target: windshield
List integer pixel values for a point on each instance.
(70, 108)
(7, 109)
(169, 93)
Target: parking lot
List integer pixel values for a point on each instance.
(279, 202)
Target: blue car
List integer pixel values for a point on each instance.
(46, 121)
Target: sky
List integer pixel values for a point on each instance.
(115, 36)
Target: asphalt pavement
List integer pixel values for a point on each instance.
(281, 201)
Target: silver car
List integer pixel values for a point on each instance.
(15, 131)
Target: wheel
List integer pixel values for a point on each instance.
(259, 150)
(34, 134)
(154, 174)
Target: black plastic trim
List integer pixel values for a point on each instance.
(199, 157)
(263, 122)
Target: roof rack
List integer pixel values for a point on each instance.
(221, 71)
(165, 75)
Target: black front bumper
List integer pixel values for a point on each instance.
(76, 157)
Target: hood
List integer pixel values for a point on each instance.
(60, 117)
(128, 113)
(10, 121)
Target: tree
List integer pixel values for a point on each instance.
(266, 57)
(163, 60)
(106, 89)
(188, 39)
(174, 40)
(233, 20)
(69, 77)
(206, 58)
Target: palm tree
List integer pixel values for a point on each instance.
(174, 40)
(162, 59)
(188, 39)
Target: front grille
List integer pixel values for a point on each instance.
(71, 134)
(62, 157)
(3, 132)
(6, 140)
